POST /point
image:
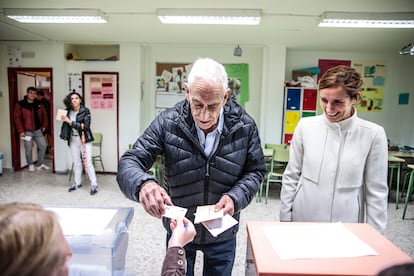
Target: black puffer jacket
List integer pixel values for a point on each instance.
(192, 179)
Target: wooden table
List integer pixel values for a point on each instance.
(262, 258)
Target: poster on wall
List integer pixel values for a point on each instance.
(101, 91)
(100, 94)
(373, 75)
(238, 81)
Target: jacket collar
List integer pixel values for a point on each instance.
(343, 125)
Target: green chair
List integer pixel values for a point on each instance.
(409, 189)
(98, 144)
(277, 167)
(268, 152)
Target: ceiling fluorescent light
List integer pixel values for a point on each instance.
(367, 20)
(56, 15)
(210, 16)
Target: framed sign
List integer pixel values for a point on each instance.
(100, 93)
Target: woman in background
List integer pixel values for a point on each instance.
(80, 140)
(337, 170)
(31, 241)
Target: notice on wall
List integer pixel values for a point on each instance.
(102, 89)
(373, 75)
(75, 82)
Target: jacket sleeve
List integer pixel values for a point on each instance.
(376, 182)
(45, 120)
(134, 164)
(174, 262)
(18, 122)
(253, 173)
(291, 175)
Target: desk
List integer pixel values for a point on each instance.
(268, 152)
(395, 163)
(267, 262)
(401, 154)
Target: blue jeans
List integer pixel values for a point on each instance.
(218, 257)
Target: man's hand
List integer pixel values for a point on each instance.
(225, 203)
(152, 197)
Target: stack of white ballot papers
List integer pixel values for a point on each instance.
(215, 222)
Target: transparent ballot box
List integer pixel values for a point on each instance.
(98, 238)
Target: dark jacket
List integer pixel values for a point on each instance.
(83, 116)
(193, 179)
(24, 117)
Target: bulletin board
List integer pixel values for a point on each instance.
(169, 81)
(170, 77)
(100, 93)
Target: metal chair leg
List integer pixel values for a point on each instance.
(409, 192)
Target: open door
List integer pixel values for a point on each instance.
(19, 79)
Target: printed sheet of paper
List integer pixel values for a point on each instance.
(59, 114)
(205, 213)
(319, 240)
(218, 226)
(83, 221)
(173, 212)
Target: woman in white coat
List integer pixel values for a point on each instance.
(337, 170)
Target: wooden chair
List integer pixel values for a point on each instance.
(277, 167)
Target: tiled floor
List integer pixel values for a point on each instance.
(147, 237)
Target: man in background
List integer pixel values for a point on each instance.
(46, 104)
(31, 121)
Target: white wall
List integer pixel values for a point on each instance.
(52, 55)
(396, 119)
(269, 67)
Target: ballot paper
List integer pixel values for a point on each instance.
(173, 212)
(206, 212)
(215, 222)
(60, 113)
(26, 138)
(218, 226)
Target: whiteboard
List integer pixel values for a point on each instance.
(168, 99)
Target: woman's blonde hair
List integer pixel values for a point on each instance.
(28, 235)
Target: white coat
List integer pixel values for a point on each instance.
(337, 172)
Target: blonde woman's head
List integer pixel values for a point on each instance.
(31, 241)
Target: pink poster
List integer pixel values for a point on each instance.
(102, 89)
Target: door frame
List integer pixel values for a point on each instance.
(13, 100)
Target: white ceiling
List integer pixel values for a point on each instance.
(292, 23)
